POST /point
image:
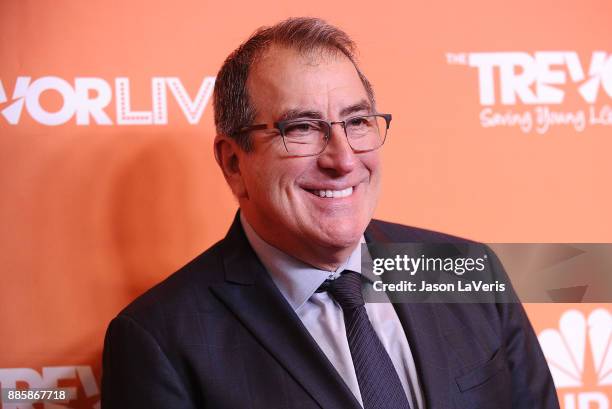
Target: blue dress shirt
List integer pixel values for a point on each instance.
(323, 317)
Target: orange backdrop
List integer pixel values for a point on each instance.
(502, 132)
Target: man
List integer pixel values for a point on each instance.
(272, 315)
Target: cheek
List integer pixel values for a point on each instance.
(268, 182)
(373, 163)
(255, 179)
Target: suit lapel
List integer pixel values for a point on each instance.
(251, 295)
(428, 351)
(426, 341)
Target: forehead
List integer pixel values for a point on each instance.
(285, 79)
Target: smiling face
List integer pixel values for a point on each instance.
(314, 208)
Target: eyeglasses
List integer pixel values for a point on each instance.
(309, 137)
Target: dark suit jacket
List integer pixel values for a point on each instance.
(218, 334)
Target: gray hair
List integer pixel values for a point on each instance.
(233, 109)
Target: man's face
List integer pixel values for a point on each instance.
(282, 193)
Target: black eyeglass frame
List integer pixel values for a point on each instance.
(282, 125)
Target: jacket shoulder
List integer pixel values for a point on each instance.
(181, 291)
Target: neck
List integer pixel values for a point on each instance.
(327, 258)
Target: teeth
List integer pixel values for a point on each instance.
(334, 193)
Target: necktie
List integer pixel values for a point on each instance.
(379, 384)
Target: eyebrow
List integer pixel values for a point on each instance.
(292, 114)
(299, 113)
(362, 105)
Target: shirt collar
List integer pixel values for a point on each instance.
(296, 280)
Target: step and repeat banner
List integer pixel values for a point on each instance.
(502, 132)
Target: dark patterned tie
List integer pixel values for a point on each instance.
(379, 384)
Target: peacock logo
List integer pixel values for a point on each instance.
(579, 355)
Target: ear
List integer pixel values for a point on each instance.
(227, 155)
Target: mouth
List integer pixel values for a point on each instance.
(329, 193)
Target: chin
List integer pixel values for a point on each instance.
(342, 235)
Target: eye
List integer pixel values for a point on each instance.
(360, 122)
(302, 128)
(357, 121)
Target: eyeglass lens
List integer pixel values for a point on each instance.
(310, 136)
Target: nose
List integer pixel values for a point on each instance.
(338, 156)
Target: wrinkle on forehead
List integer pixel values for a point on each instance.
(311, 57)
(286, 79)
(277, 55)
